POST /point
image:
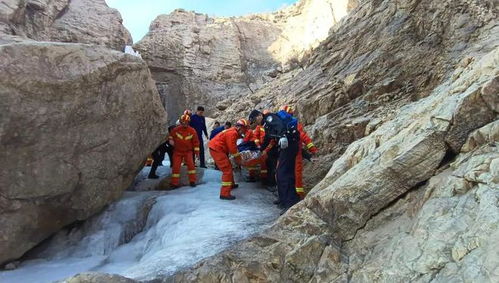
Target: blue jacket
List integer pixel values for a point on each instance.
(199, 124)
(216, 131)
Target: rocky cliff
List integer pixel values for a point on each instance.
(83, 21)
(76, 120)
(196, 59)
(403, 98)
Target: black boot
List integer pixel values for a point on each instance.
(228, 198)
(152, 173)
(192, 184)
(235, 186)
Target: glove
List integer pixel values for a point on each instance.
(283, 142)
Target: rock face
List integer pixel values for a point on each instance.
(76, 122)
(405, 106)
(420, 212)
(382, 56)
(195, 59)
(84, 21)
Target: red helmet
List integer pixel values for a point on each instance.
(287, 109)
(187, 112)
(242, 123)
(185, 118)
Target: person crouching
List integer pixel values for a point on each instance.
(186, 145)
(221, 146)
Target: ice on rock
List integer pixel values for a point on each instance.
(147, 234)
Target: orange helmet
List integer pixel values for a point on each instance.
(185, 118)
(187, 112)
(287, 109)
(242, 123)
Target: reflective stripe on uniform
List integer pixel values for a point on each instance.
(180, 136)
(262, 129)
(196, 149)
(300, 190)
(263, 171)
(236, 154)
(191, 172)
(310, 145)
(175, 175)
(188, 137)
(257, 141)
(224, 184)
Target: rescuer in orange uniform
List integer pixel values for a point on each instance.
(186, 145)
(222, 145)
(306, 141)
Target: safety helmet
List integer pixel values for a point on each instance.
(187, 112)
(287, 109)
(242, 123)
(185, 118)
(265, 112)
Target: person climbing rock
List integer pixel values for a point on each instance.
(198, 122)
(186, 148)
(158, 155)
(222, 145)
(306, 141)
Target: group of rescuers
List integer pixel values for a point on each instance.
(279, 136)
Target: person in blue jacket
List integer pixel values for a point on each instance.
(218, 130)
(198, 122)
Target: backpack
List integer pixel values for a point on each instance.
(280, 124)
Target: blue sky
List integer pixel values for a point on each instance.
(137, 15)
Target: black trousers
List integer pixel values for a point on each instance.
(202, 162)
(158, 156)
(286, 174)
(271, 169)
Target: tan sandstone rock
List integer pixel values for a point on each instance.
(76, 123)
(84, 21)
(199, 60)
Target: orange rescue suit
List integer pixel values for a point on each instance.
(222, 145)
(186, 143)
(306, 141)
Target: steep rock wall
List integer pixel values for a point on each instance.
(196, 59)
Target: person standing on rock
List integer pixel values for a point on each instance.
(198, 122)
(186, 148)
(223, 145)
(306, 141)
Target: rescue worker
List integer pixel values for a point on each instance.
(222, 145)
(198, 122)
(282, 128)
(186, 145)
(306, 141)
(266, 145)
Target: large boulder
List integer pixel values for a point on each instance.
(76, 123)
(84, 21)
